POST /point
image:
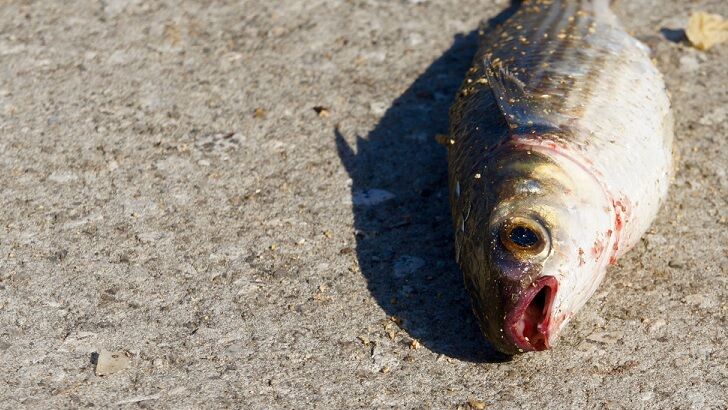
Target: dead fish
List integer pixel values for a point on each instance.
(559, 156)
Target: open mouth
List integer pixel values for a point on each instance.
(528, 323)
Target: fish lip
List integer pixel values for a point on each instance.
(516, 336)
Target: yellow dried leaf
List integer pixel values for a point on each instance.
(706, 30)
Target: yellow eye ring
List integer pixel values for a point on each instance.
(523, 237)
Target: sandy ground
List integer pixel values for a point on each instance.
(170, 193)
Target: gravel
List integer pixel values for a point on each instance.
(245, 200)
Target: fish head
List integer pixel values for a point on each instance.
(538, 253)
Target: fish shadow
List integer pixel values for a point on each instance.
(404, 242)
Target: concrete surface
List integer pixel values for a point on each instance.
(171, 195)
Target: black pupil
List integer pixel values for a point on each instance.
(523, 237)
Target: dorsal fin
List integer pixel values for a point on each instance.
(520, 109)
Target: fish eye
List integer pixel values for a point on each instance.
(523, 237)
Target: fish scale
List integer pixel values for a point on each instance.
(563, 126)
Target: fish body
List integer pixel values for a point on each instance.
(559, 156)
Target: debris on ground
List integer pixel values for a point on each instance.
(109, 363)
(476, 404)
(322, 111)
(706, 30)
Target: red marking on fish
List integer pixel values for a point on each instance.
(598, 248)
(620, 216)
(613, 258)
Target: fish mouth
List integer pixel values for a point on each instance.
(528, 323)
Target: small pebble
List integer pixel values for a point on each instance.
(111, 362)
(378, 108)
(476, 404)
(689, 63)
(322, 111)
